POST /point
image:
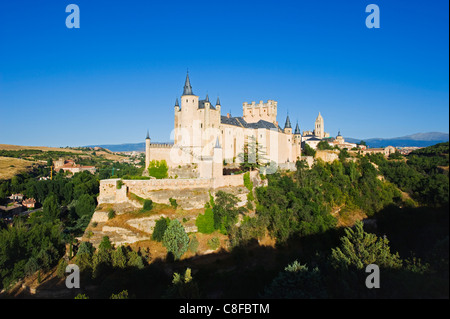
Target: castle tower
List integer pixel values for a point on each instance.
(319, 127)
(147, 151)
(218, 104)
(187, 117)
(287, 126)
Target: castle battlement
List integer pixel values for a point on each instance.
(253, 112)
(163, 145)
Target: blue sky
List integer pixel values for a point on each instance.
(120, 73)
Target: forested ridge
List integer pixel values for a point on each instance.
(405, 199)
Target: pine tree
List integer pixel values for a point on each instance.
(175, 239)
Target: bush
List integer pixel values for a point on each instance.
(214, 243)
(173, 202)
(205, 222)
(61, 269)
(111, 214)
(158, 169)
(148, 204)
(247, 182)
(193, 244)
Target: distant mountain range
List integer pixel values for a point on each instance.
(419, 139)
(128, 147)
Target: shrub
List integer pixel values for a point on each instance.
(173, 202)
(158, 169)
(205, 222)
(214, 243)
(121, 295)
(111, 214)
(61, 269)
(148, 204)
(247, 181)
(193, 244)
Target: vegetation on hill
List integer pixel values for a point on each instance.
(406, 235)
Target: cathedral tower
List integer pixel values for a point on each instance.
(319, 127)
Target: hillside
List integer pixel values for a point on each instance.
(13, 166)
(105, 153)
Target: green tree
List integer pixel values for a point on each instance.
(84, 256)
(119, 257)
(205, 222)
(158, 169)
(359, 249)
(225, 211)
(297, 281)
(85, 205)
(51, 208)
(134, 260)
(308, 151)
(175, 239)
(253, 155)
(323, 145)
(183, 287)
(160, 228)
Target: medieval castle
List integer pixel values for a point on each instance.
(201, 132)
(207, 139)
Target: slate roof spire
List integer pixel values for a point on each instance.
(288, 123)
(187, 86)
(297, 129)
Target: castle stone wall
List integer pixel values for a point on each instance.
(143, 188)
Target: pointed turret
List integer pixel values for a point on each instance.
(207, 97)
(176, 102)
(297, 130)
(187, 86)
(288, 123)
(218, 101)
(148, 136)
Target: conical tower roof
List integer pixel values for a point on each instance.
(297, 129)
(288, 123)
(187, 86)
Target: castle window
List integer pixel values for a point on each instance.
(201, 125)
